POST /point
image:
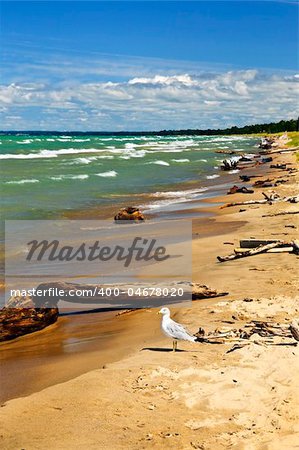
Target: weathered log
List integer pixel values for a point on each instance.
(243, 190)
(129, 213)
(202, 291)
(289, 249)
(244, 178)
(255, 251)
(18, 321)
(263, 183)
(292, 199)
(278, 166)
(295, 244)
(281, 214)
(248, 202)
(229, 164)
(294, 329)
(271, 197)
(254, 243)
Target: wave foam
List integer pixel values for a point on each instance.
(23, 181)
(211, 177)
(159, 163)
(109, 173)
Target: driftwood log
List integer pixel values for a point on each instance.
(229, 164)
(248, 202)
(200, 292)
(129, 213)
(94, 295)
(281, 214)
(16, 320)
(294, 329)
(243, 190)
(250, 252)
(249, 333)
(269, 198)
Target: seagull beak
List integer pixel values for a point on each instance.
(158, 313)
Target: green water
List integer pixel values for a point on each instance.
(42, 176)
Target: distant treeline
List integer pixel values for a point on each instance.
(273, 127)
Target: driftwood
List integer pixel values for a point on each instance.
(253, 243)
(288, 249)
(278, 166)
(18, 321)
(229, 164)
(251, 252)
(295, 244)
(202, 291)
(281, 214)
(269, 198)
(95, 294)
(243, 190)
(292, 199)
(129, 213)
(244, 178)
(249, 334)
(294, 329)
(248, 202)
(262, 183)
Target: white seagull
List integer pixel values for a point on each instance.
(174, 330)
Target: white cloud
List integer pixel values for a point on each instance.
(197, 100)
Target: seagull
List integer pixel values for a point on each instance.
(174, 330)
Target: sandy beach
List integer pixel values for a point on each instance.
(201, 397)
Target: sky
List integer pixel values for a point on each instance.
(147, 65)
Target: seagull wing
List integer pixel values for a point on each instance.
(177, 331)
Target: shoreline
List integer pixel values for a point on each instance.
(269, 280)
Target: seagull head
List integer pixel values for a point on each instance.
(164, 311)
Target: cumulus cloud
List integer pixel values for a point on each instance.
(160, 101)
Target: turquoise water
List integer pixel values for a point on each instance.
(44, 176)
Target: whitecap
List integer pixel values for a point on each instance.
(78, 177)
(85, 160)
(69, 177)
(50, 153)
(211, 177)
(109, 173)
(23, 181)
(159, 163)
(174, 197)
(177, 194)
(26, 141)
(183, 160)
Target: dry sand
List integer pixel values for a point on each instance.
(200, 397)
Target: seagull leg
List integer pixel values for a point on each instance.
(174, 345)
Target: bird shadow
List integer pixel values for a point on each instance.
(157, 349)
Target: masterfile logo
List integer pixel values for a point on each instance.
(92, 261)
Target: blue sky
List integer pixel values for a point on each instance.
(147, 65)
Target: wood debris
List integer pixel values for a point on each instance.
(281, 214)
(249, 252)
(256, 331)
(200, 292)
